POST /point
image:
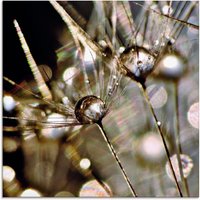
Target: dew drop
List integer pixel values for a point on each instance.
(138, 61)
(171, 66)
(90, 109)
(159, 123)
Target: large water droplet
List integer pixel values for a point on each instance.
(90, 109)
(138, 62)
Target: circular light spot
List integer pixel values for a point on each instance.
(93, 189)
(9, 144)
(8, 103)
(150, 148)
(55, 119)
(158, 96)
(8, 174)
(64, 194)
(167, 10)
(85, 163)
(193, 115)
(69, 75)
(187, 165)
(171, 65)
(29, 192)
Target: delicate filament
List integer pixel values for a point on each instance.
(36, 73)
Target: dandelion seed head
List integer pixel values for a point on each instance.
(8, 103)
(90, 109)
(193, 115)
(187, 165)
(138, 61)
(93, 189)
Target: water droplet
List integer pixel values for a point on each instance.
(138, 61)
(90, 109)
(93, 189)
(171, 66)
(187, 165)
(159, 123)
(166, 9)
(87, 81)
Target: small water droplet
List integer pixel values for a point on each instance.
(159, 123)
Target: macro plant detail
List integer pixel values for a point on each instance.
(121, 73)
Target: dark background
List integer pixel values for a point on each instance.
(40, 24)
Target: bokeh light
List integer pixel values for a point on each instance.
(93, 189)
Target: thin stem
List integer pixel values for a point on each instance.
(178, 143)
(116, 158)
(158, 125)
